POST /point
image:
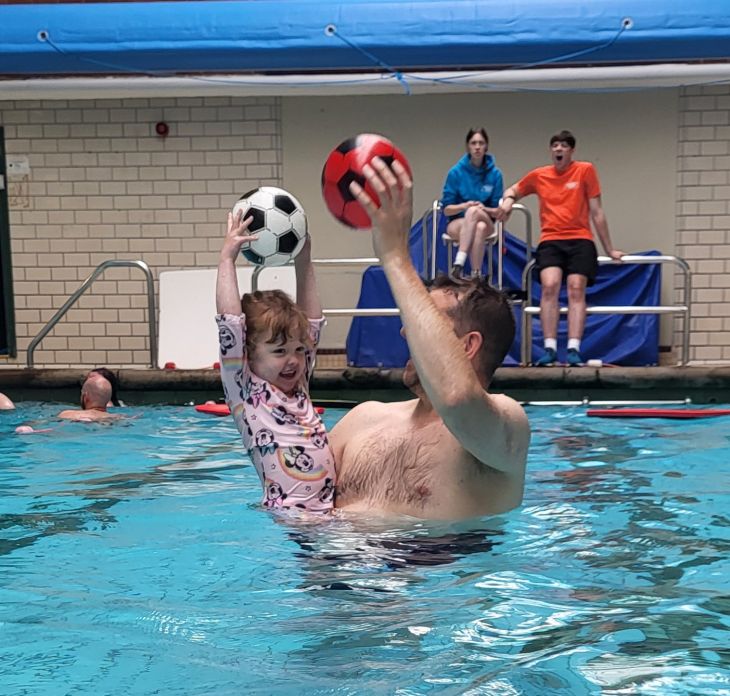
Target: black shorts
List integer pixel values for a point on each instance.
(571, 255)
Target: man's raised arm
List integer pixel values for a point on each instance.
(482, 423)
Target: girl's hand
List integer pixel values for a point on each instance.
(236, 236)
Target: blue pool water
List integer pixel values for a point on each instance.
(134, 561)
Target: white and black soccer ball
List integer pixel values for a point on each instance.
(278, 220)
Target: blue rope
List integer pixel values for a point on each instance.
(331, 30)
(527, 66)
(163, 73)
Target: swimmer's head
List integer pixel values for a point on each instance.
(110, 377)
(272, 315)
(277, 337)
(95, 392)
(473, 306)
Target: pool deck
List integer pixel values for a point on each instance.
(703, 384)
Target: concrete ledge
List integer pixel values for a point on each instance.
(716, 377)
(507, 379)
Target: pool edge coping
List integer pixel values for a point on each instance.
(351, 378)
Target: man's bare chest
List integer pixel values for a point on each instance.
(397, 462)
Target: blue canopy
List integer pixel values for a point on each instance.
(285, 36)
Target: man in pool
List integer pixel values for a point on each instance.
(5, 403)
(456, 451)
(96, 393)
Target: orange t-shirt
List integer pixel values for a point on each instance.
(564, 197)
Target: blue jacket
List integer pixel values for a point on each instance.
(464, 182)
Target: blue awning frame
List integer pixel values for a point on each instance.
(279, 37)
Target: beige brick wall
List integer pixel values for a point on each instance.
(703, 217)
(103, 185)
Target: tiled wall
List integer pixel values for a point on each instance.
(103, 185)
(703, 217)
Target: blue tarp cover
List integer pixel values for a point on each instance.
(619, 339)
(291, 36)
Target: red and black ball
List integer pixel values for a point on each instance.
(344, 165)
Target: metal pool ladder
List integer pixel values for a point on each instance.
(111, 263)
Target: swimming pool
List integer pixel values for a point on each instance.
(134, 561)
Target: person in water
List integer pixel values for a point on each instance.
(456, 450)
(96, 392)
(267, 349)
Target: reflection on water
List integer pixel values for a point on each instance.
(136, 560)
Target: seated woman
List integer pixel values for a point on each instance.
(471, 195)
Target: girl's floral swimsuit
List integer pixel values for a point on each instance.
(283, 434)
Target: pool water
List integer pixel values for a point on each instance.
(134, 560)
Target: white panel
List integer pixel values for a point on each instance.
(188, 332)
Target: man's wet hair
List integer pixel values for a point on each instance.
(565, 136)
(110, 377)
(484, 309)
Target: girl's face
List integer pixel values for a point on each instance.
(477, 147)
(280, 364)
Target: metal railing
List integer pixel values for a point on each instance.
(528, 311)
(429, 260)
(111, 263)
(345, 312)
(432, 216)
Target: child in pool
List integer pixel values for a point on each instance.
(267, 348)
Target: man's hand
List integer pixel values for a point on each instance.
(616, 255)
(502, 213)
(236, 236)
(392, 220)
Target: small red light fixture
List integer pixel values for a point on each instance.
(162, 129)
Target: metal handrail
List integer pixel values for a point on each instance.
(429, 265)
(345, 312)
(528, 230)
(685, 309)
(434, 213)
(151, 315)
